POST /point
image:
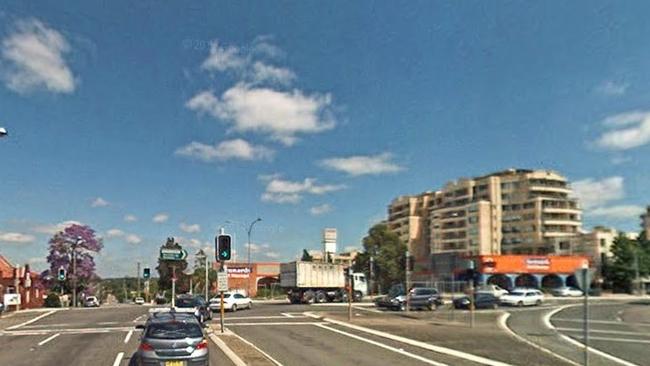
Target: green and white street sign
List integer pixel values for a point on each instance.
(172, 254)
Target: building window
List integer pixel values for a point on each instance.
(603, 243)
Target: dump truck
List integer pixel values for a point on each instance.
(317, 282)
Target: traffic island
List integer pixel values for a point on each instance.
(238, 350)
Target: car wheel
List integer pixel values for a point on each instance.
(234, 308)
(538, 302)
(402, 307)
(520, 304)
(250, 304)
(430, 307)
(495, 306)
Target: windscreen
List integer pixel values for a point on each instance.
(174, 330)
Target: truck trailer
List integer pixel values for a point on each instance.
(315, 282)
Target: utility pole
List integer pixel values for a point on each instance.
(371, 280)
(637, 280)
(206, 279)
(250, 229)
(408, 280)
(173, 286)
(138, 274)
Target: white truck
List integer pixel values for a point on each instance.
(315, 282)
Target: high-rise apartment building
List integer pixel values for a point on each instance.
(514, 211)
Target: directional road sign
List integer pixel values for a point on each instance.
(581, 275)
(172, 254)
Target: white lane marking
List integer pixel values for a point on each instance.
(547, 322)
(594, 321)
(368, 309)
(108, 323)
(138, 318)
(227, 351)
(412, 342)
(381, 345)
(628, 340)
(118, 359)
(598, 352)
(68, 331)
(619, 315)
(128, 336)
(273, 323)
(602, 331)
(258, 349)
(503, 324)
(48, 339)
(32, 320)
(266, 317)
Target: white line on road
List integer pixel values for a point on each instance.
(128, 336)
(257, 349)
(138, 318)
(118, 359)
(273, 323)
(413, 342)
(32, 320)
(503, 324)
(265, 317)
(381, 345)
(225, 349)
(48, 339)
(598, 352)
(372, 310)
(287, 315)
(594, 321)
(602, 331)
(620, 340)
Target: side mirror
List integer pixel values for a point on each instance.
(139, 326)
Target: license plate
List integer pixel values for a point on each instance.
(174, 363)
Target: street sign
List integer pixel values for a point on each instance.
(222, 281)
(172, 254)
(582, 274)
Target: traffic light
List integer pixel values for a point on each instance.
(61, 275)
(146, 273)
(223, 244)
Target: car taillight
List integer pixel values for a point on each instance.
(202, 345)
(145, 347)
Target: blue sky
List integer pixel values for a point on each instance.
(146, 121)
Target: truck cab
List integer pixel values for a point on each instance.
(359, 284)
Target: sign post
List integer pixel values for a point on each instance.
(583, 276)
(222, 286)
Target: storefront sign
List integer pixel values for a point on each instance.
(238, 272)
(538, 263)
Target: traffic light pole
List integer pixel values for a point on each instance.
(173, 286)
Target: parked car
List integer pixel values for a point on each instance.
(195, 305)
(2, 307)
(172, 338)
(231, 301)
(494, 290)
(424, 298)
(394, 300)
(567, 291)
(139, 301)
(522, 297)
(91, 301)
(481, 301)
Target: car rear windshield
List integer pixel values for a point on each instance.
(174, 330)
(185, 303)
(517, 293)
(425, 291)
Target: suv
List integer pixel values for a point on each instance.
(494, 290)
(424, 298)
(195, 305)
(172, 338)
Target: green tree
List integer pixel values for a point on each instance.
(165, 270)
(621, 271)
(306, 257)
(387, 251)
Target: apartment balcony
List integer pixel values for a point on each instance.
(562, 222)
(556, 210)
(558, 234)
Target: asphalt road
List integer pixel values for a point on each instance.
(98, 336)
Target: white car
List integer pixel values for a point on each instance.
(522, 297)
(139, 301)
(91, 301)
(231, 301)
(494, 290)
(567, 291)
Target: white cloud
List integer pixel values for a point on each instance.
(597, 193)
(133, 239)
(362, 164)
(279, 190)
(130, 218)
(16, 238)
(263, 72)
(160, 218)
(625, 131)
(619, 212)
(261, 251)
(612, 88)
(190, 228)
(263, 45)
(33, 54)
(225, 150)
(99, 202)
(320, 209)
(114, 233)
(54, 228)
(282, 115)
(223, 58)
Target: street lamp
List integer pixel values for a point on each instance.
(200, 256)
(250, 229)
